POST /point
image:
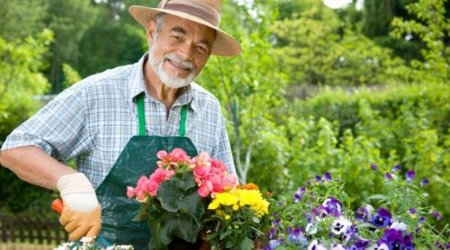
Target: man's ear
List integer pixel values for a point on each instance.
(151, 28)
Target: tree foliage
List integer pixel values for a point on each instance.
(431, 27)
(250, 92)
(20, 81)
(313, 48)
(20, 19)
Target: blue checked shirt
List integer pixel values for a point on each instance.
(93, 120)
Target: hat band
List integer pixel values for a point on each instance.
(201, 13)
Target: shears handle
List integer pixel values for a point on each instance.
(57, 206)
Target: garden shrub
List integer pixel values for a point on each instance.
(345, 133)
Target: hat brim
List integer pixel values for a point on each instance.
(224, 45)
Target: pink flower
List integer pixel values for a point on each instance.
(202, 160)
(179, 155)
(174, 159)
(161, 175)
(130, 192)
(201, 172)
(218, 166)
(204, 189)
(141, 181)
(217, 185)
(141, 194)
(229, 181)
(161, 154)
(152, 188)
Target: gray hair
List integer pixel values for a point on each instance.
(159, 19)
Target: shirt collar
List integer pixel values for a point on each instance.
(137, 86)
(137, 81)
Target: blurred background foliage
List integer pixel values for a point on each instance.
(315, 89)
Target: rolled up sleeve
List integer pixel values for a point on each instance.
(58, 128)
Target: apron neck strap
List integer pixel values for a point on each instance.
(141, 117)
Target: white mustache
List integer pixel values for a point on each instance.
(179, 61)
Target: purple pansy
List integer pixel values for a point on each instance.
(393, 238)
(388, 176)
(421, 220)
(408, 242)
(410, 174)
(297, 236)
(396, 168)
(373, 167)
(273, 244)
(424, 182)
(320, 212)
(364, 213)
(351, 232)
(276, 222)
(272, 233)
(333, 206)
(360, 244)
(382, 218)
(327, 176)
(318, 179)
(299, 194)
(436, 215)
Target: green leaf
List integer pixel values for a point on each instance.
(177, 195)
(182, 226)
(246, 244)
(378, 197)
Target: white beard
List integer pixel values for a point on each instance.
(170, 80)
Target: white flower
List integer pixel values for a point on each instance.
(86, 243)
(340, 226)
(311, 228)
(398, 225)
(315, 245)
(337, 247)
(64, 246)
(120, 247)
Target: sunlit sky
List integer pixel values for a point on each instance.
(339, 3)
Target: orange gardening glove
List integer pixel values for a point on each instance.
(80, 224)
(81, 214)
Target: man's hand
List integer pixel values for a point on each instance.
(81, 214)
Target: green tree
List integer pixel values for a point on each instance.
(125, 43)
(376, 24)
(251, 91)
(432, 28)
(314, 48)
(20, 81)
(20, 19)
(68, 20)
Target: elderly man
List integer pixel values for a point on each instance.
(113, 123)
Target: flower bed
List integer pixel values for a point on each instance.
(318, 216)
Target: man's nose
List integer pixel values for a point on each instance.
(186, 51)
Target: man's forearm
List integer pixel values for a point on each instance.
(33, 165)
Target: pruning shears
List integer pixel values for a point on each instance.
(57, 206)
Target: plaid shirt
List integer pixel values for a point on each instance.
(94, 119)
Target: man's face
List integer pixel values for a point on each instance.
(179, 50)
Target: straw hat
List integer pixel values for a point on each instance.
(206, 12)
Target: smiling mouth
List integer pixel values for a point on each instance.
(178, 65)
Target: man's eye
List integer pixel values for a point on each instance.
(202, 49)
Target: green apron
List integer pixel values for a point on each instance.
(138, 158)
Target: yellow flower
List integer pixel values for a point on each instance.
(254, 200)
(214, 205)
(227, 217)
(224, 199)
